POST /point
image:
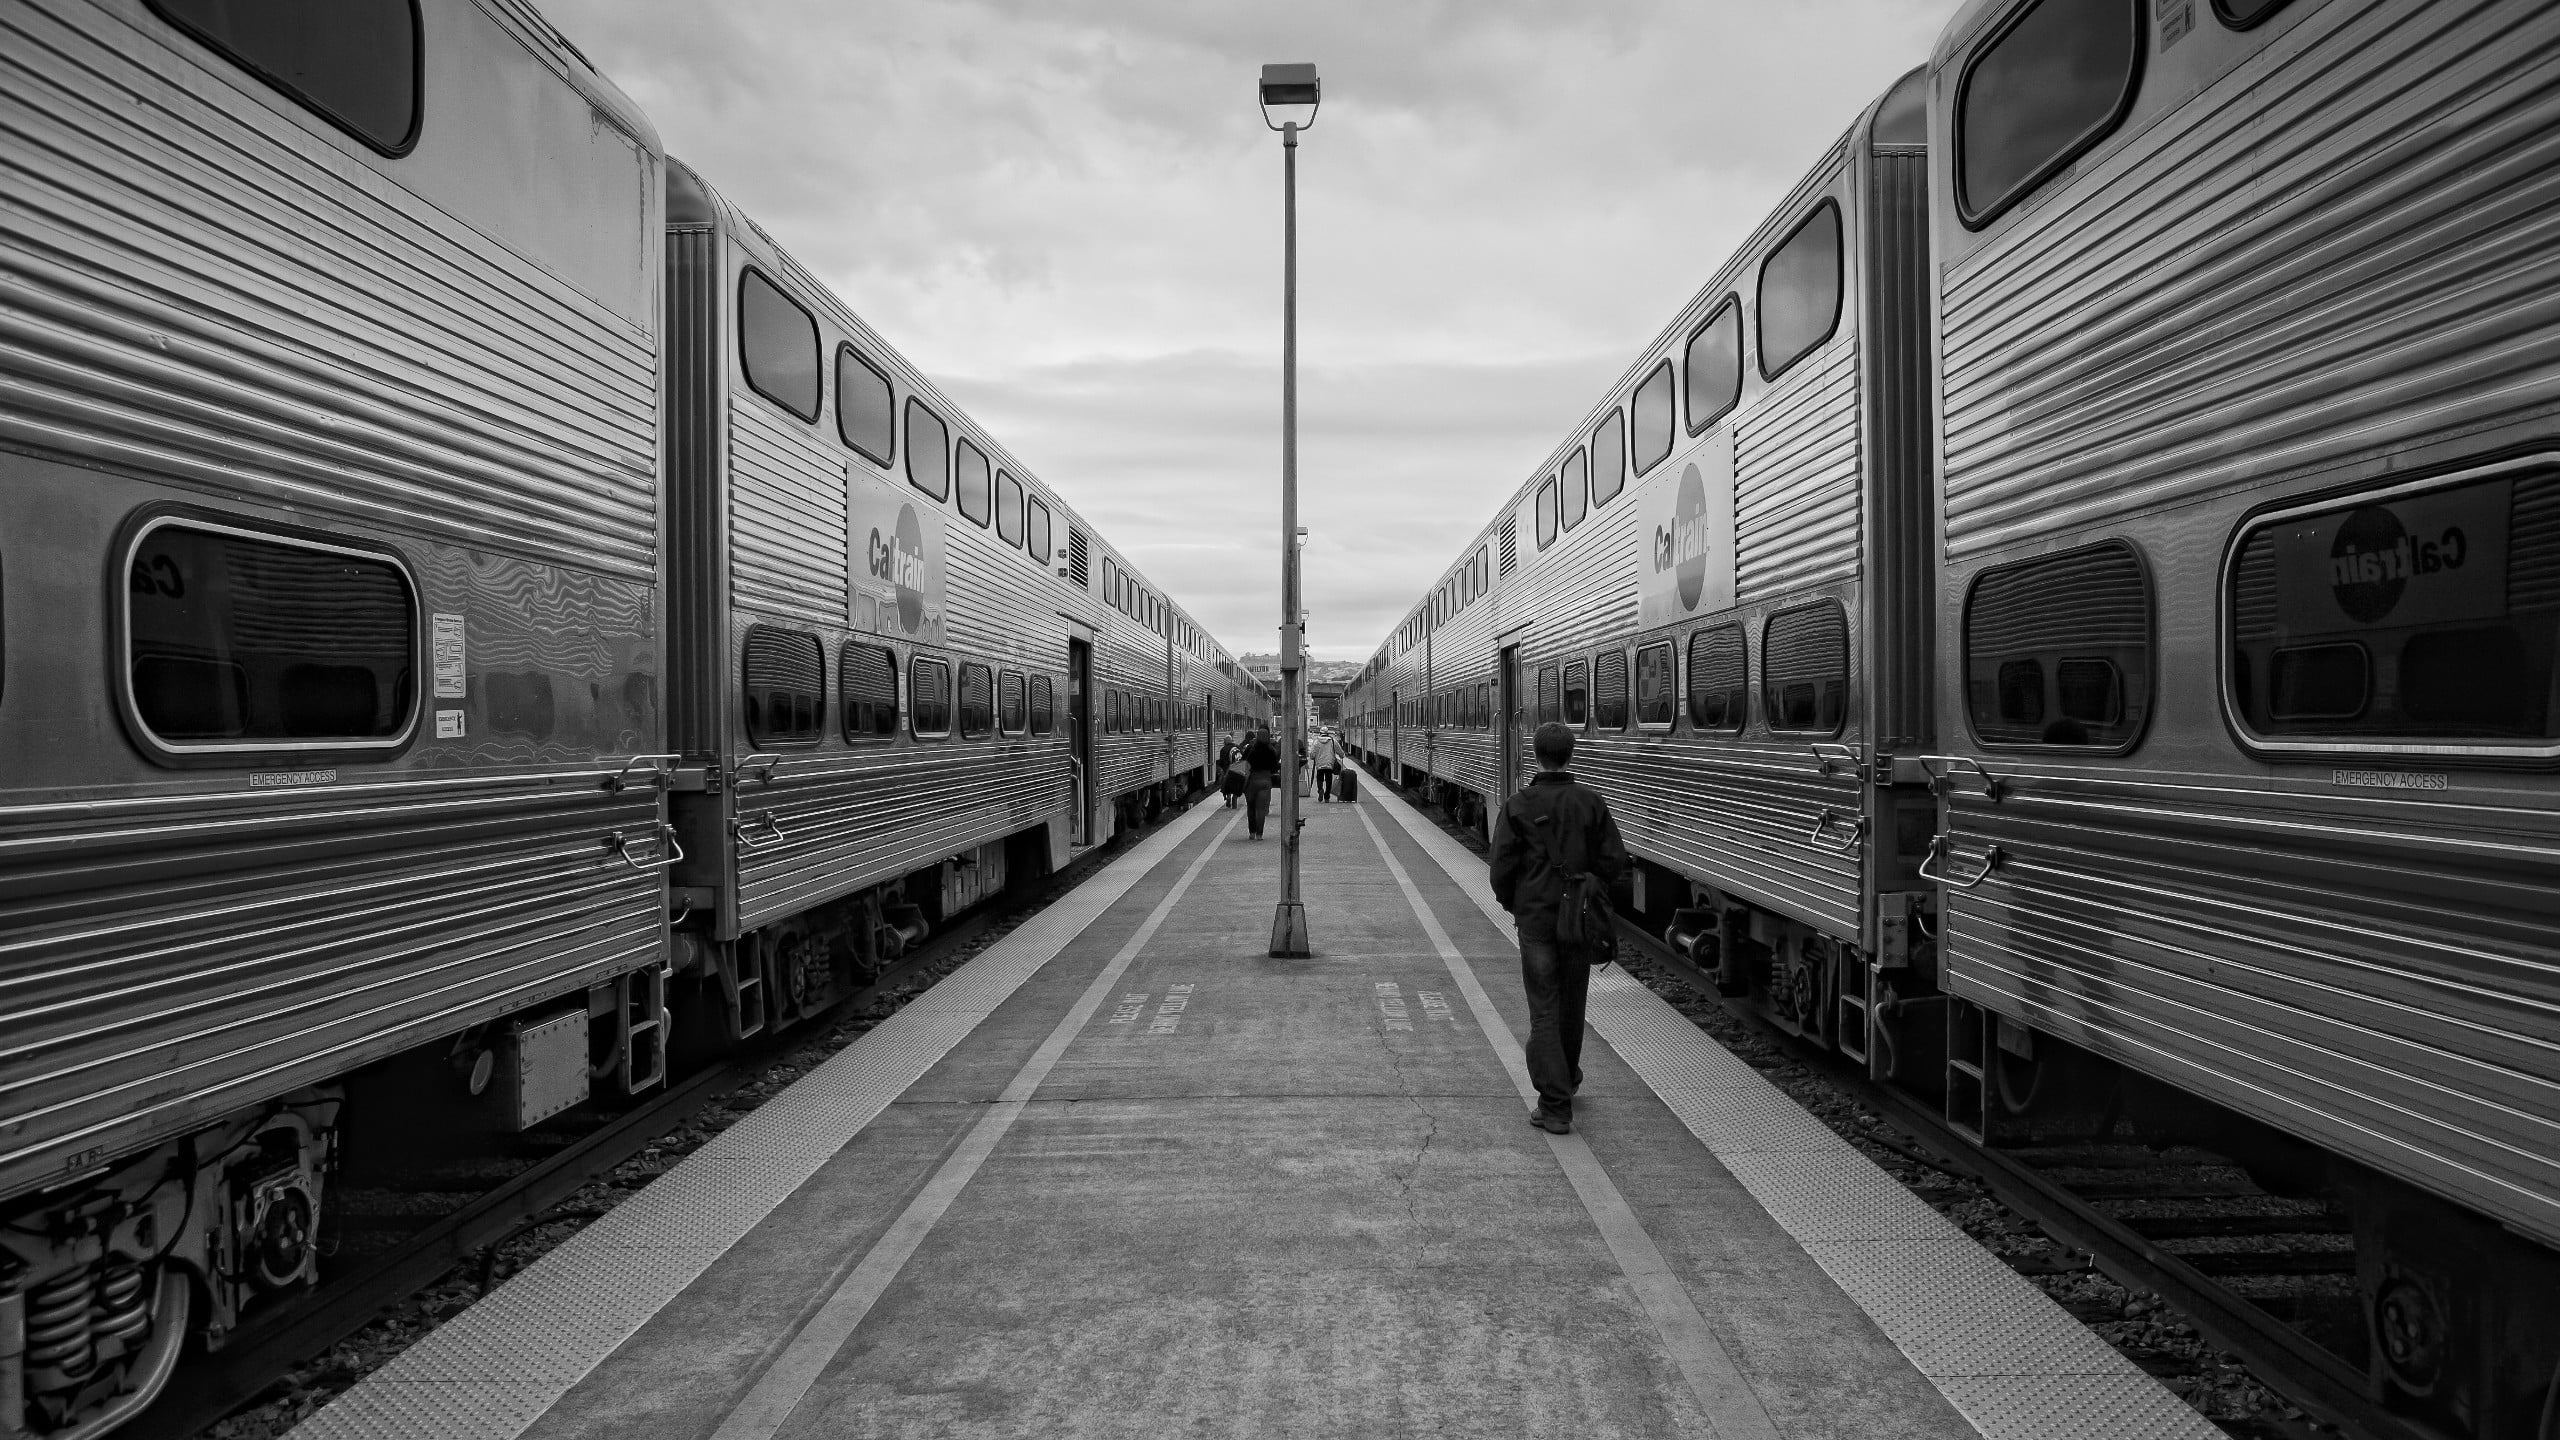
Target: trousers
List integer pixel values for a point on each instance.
(1257, 801)
(1559, 987)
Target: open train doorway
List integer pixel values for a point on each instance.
(1512, 740)
(1080, 739)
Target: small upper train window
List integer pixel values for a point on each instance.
(866, 415)
(976, 484)
(1715, 366)
(1547, 512)
(1008, 508)
(1655, 419)
(778, 345)
(1576, 480)
(928, 451)
(1800, 291)
(1609, 456)
(353, 63)
(2052, 81)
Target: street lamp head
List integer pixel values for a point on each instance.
(1289, 96)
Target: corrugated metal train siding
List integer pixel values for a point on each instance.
(367, 357)
(1796, 472)
(2210, 315)
(342, 924)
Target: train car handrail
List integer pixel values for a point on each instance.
(760, 761)
(1942, 775)
(762, 820)
(670, 851)
(662, 770)
(1833, 756)
(1940, 850)
(1831, 822)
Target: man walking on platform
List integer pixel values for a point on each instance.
(1325, 759)
(1554, 829)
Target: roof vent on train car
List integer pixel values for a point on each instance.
(1510, 542)
(1079, 565)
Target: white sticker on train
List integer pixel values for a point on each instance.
(447, 641)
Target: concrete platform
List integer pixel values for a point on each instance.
(1125, 1175)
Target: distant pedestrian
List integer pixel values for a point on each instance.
(1262, 761)
(1550, 831)
(1231, 771)
(1327, 760)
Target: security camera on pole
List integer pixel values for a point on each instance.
(1292, 91)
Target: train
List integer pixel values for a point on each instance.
(2066, 618)
(477, 620)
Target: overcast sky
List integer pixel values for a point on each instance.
(1067, 212)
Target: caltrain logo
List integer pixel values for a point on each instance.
(899, 559)
(1682, 545)
(2374, 558)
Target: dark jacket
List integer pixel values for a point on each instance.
(1262, 755)
(1525, 879)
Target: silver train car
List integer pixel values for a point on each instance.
(476, 620)
(2182, 757)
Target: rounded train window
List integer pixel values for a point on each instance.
(928, 697)
(867, 690)
(2057, 650)
(928, 451)
(866, 413)
(1719, 681)
(354, 63)
(1804, 669)
(977, 699)
(1044, 709)
(778, 345)
(239, 641)
(2056, 78)
(1800, 291)
(1714, 366)
(785, 686)
(2421, 618)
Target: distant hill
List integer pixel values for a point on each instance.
(1268, 667)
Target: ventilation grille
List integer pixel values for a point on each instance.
(1510, 542)
(1079, 561)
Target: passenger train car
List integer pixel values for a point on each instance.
(474, 616)
(2112, 689)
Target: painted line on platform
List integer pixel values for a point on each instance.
(2013, 1363)
(493, 1371)
(1730, 1405)
(770, 1402)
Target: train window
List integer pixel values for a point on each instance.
(1550, 696)
(977, 699)
(1576, 479)
(1719, 681)
(1547, 512)
(1800, 291)
(866, 413)
(977, 484)
(2247, 14)
(1008, 509)
(1609, 690)
(786, 686)
(1657, 686)
(2426, 617)
(1804, 669)
(1654, 417)
(2058, 650)
(778, 345)
(2052, 81)
(867, 690)
(1714, 365)
(1608, 458)
(1044, 708)
(928, 451)
(1035, 531)
(353, 63)
(928, 696)
(1577, 694)
(240, 642)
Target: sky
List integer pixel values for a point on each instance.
(1068, 213)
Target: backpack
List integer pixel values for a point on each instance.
(1586, 923)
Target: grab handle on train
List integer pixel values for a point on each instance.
(662, 770)
(1942, 855)
(670, 854)
(764, 765)
(1835, 757)
(762, 821)
(1942, 774)
(1838, 830)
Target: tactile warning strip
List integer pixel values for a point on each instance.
(2012, 1362)
(493, 1370)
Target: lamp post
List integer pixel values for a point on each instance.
(1290, 94)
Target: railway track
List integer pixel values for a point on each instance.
(213, 1387)
(2256, 1274)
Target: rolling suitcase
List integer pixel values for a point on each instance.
(1346, 783)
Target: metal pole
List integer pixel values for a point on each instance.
(1289, 921)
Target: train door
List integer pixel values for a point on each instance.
(1080, 739)
(1513, 747)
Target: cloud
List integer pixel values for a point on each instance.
(1067, 212)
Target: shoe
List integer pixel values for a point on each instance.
(1551, 1122)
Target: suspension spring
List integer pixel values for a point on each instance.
(58, 1335)
(121, 1311)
